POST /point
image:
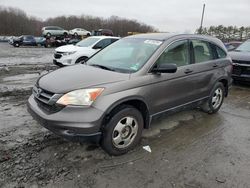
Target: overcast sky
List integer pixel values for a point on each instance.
(165, 15)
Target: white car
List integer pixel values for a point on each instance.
(80, 32)
(72, 54)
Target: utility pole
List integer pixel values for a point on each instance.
(202, 16)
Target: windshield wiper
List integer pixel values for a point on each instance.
(102, 67)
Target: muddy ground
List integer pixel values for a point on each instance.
(189, 149)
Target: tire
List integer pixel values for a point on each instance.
(88, 34)
(47, 45)
(48, 35)
(75, 34)
(16, 44)
(213, 104)
(65, 35)
(81, 59)
(123, 131)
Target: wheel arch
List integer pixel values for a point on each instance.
(224, 81)
(82, 57)
(137, 103)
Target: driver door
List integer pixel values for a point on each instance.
(171, 90)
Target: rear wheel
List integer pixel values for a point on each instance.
(65, 34)
(213, 104)
(76, 34)
(123, 131)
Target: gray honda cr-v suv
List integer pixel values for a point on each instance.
(116, 93)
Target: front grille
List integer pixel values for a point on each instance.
(241, 62)
(42, 95)
(46, 100)
(238, 70)
(49, 109)
(57, 56)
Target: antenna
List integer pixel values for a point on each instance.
(202, 17)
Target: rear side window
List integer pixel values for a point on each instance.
(221, 53)
(202, 51)
(103, 43)
(176, 53)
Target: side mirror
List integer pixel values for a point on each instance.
(165, 68)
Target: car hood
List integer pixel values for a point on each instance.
(240, 56)
(78, 77)
(72, 48)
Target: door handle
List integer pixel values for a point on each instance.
(215, 65)
(187, 71)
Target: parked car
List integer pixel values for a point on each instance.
(241, 62)
(232, 45)
(80, 32)
(24, 40)
(40, 41)
(4, 38)
(74, 41)
(103, 32)
(117, 92)
(54, 31)
(72, 54)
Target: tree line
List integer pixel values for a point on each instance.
(16, 22)
(226, 33)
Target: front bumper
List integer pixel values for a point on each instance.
(57, 63)
(241, 72)
(71, 122)
(64, 61)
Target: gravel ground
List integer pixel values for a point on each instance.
(189, 149)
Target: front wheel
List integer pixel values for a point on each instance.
(81, 60)
(213, 104)
(16, 44)
(123, 131)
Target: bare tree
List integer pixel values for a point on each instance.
(15, 22)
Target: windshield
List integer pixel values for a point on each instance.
(87, 42)
(244, 47)
(126, 55)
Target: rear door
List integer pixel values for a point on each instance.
(204, 66)
(27, 40)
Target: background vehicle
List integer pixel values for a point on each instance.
(104, 32)
(74, 41)
(24, 40)
(241, 62)
(72, 54)
(80, 32)
(232, 45)
(40, 41)
(49, 31)
(117, 92)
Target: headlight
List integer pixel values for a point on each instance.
(81, 97)
(69, 53)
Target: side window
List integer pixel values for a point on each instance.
(177, 53)
(202, 51)
(103, 43)
(113, 40)
(221, 53)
